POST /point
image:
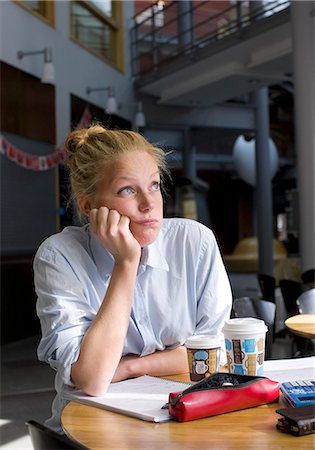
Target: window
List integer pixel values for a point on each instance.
(97, 26)
(43, 9)
(105, 7)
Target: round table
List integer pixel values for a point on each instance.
(247, 429)
(302, 325)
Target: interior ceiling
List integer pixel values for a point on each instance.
(237, 70)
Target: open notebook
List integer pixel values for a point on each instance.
(141, 397)
(144, 397)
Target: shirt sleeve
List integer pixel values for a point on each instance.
(64, 313)
(214, 292)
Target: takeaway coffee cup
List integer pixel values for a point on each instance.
(203, 352)
(245, 345)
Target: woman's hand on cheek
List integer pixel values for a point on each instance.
(113, 231)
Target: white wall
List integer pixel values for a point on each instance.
(76, 68)
(30, 199)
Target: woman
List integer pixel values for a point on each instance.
(118, 297)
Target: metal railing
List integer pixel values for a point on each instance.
(161, 33)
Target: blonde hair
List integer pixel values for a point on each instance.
(90, 150)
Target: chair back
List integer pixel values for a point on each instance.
(44, 438)
(308, 276)
(260, 309)
(290, 290)
(267, 284)
(306, 302)
(244, 307)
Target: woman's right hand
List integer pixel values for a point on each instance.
(113, 231)
(96, 366)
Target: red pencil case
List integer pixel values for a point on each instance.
(222, 393)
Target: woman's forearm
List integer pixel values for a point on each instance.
(160, 363)
(102, 345)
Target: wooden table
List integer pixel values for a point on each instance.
(302, 325)
(253, 428)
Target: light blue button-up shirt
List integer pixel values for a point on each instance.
(181, 288)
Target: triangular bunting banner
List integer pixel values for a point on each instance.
(45, 162)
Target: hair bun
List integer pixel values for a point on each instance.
(75, 140)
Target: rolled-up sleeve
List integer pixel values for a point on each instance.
(63, 310)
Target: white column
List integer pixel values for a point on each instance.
(303, 13)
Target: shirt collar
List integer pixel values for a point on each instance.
(152, 256)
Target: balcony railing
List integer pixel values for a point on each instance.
(162, 32)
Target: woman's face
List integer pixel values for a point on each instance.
(131, 186)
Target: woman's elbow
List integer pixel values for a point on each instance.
(95, 390)
(92, 385)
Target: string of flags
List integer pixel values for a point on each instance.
(36, 162)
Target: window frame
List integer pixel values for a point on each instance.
(49, 8)
(114, 24)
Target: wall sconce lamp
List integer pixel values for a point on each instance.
(140, 120)
(111, 104)
(48, 74)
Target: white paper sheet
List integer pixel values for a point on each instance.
(296, 369)
(141, 397)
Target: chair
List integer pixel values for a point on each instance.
(290, 290)
(308, 277)
(267, 284)
(260, 309)
(306, 305)
(306, 302)
(44, 438)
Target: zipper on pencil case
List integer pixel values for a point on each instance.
(217, 381)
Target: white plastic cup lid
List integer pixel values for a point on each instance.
(203, 341)
(244, 325)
